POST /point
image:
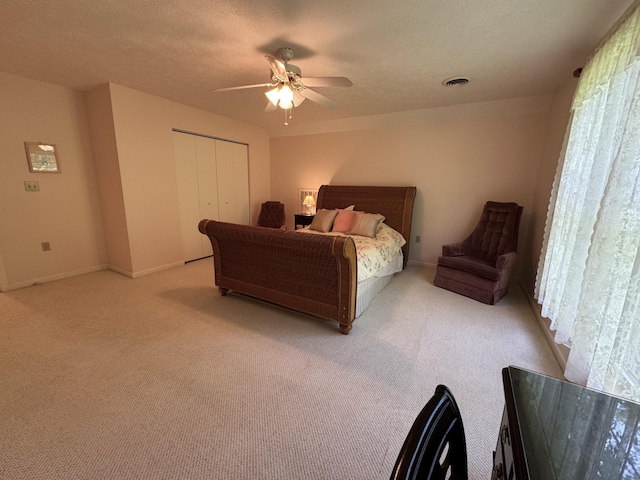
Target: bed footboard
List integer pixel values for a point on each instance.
(314, 274)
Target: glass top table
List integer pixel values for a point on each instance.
(566, 431)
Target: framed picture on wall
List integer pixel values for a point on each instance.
(42, 157)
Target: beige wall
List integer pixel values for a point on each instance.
(103, 138)
(142, 125)
(558, 119)
(556, 126)
(115, 202)
(65, 211)
(457, 157)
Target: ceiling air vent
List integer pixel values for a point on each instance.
(455, 81)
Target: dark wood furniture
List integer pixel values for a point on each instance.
(435, 446)
(314, 274)
(552, 429)
(302, 220)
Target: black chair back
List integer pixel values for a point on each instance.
(435, 448)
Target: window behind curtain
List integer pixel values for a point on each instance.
(588, 279)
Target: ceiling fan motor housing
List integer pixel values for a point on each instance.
(293, 69)
(293, 72)
(285, 53)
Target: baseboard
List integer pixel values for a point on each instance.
(142, 273)
(559, 351)
(51, 278)
(121, 271)
(421, 264)
(97, 268)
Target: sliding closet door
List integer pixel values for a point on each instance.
(233, 192)
(207, 179)
(213, 183)
(186, 159)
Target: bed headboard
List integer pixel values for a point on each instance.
(395, 203)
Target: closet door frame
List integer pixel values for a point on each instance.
(203, 189)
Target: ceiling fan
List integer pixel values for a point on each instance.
(288, 88)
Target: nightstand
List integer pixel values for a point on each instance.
(302, 220)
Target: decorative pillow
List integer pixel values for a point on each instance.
(365, 224)
(323, 220)
(343, 220)
(350, 207)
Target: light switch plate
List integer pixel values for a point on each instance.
(32, 186)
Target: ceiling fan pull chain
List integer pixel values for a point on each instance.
(287, 115)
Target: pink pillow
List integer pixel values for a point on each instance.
(343, 220)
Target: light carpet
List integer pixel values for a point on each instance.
(160, 377)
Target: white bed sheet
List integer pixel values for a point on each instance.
(369, 289)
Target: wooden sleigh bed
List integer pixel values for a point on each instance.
(310, 273)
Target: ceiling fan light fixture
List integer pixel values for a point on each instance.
(273, 96)
(286, 97)
(281, 96)
(288, 89)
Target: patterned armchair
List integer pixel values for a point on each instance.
(479, 267)
(272, 216)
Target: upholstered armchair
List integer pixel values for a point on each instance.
(272, 216)
(479, 267)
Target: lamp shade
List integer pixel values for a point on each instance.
(272, 95)
(308, 201)
(286, 96)
(283, 97)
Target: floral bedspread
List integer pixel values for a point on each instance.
(373, 254)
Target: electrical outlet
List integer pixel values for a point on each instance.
(32, 186)
(417, 238)
(46, 246)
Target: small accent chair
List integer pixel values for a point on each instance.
(480, 266)
(435, 447)
(272, 216)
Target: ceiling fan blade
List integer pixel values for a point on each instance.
(327, 82)
(316, 97)
(270, 107)
(297, 98)
(278, 68)
(244, 86)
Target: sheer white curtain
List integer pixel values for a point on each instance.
(588, 279)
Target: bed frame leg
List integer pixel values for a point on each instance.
(223, 291)
(345, 329)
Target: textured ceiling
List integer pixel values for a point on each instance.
(396, 52)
